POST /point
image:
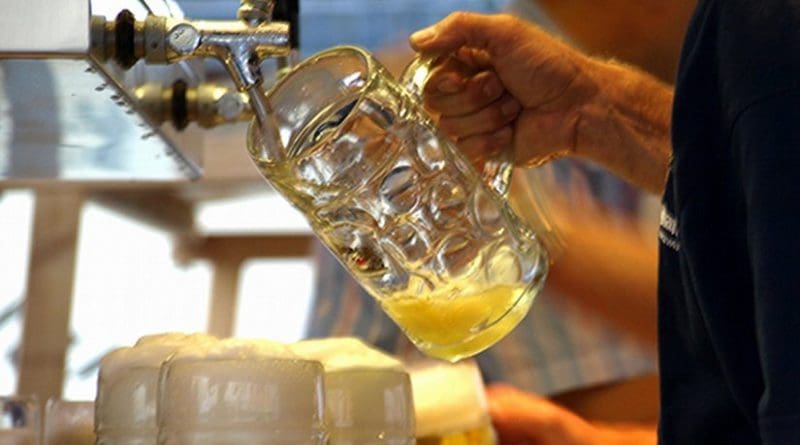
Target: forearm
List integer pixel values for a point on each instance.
(625, 126)
(614, 434)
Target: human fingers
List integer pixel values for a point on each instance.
(480, 148)
(524, 417)
(519, 415)
(489, 119)
(450, 73)
(475, 58)
(454, 95)
(448, 76)
(465, 29)
(515, 409)
(506, 415)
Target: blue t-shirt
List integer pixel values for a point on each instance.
(729, 290)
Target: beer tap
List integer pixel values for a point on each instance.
(241, 45)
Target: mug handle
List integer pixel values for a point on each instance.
(497, 171)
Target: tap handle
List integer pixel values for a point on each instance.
(256, 12)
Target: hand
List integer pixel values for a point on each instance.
(526, 419)
(521, 418)
(505, 83)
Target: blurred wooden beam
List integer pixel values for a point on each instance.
(163, 210)
(226, 254)
(51, 270)
(244, 246)
(224, 296)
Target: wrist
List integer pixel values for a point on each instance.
(626, 124)
(596, 118)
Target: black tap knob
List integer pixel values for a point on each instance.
(289, 11)
(124, 39)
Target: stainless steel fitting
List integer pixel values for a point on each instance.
(241, 45)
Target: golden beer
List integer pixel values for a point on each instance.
(455, 324)
(479, 435)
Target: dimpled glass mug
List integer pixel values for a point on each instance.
(433, 240)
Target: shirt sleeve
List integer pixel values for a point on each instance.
(766, 143)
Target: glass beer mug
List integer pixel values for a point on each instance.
(432, 239)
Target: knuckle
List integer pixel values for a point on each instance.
(505, 18)
(459, 17)
(512, 29)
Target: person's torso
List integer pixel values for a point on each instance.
(709, 359)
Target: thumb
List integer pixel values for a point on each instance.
(461, 29)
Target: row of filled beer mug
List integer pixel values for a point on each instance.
(177, 389)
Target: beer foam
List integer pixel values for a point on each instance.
(235, 348)
(175, 338)
(150, 351)
(345, 353)
(145, 356)
(448, 398)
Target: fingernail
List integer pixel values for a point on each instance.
(510, 108)
(449, 86)
(493, 87)
(422, 36)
